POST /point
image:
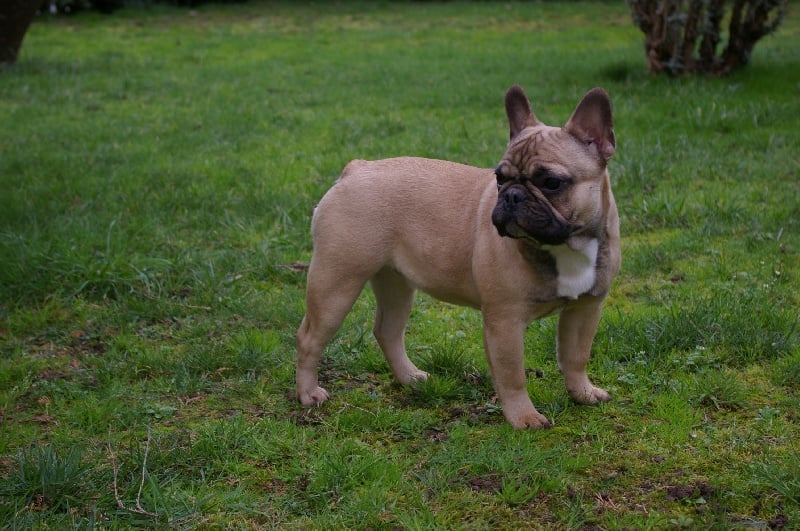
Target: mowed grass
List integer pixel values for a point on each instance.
(158, 168)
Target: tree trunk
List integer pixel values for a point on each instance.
(681, 36)
(15, 18)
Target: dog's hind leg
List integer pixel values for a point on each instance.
(327, 304)
(394, 298)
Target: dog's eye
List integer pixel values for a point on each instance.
(552, 184)
(501, 179)
(549, 181)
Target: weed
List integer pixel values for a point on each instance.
(782, 476)
(438, 390)
(353, 477)
(256, 351)
(446, 360)
(718, 389)
(788, 372)
(47, 479)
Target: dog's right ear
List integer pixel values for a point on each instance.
(518, 110)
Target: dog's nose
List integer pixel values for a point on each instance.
(513, 195)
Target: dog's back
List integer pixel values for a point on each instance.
(404, 213)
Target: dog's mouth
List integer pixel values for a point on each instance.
(513, 230)
(531, 221)
(510, 230)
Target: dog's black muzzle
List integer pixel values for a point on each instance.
(523, 212)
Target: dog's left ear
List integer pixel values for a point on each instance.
(592, 123)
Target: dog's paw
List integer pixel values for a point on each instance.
(589, 395)
(527, 418)
(314, 397)
(411, 377)
(533, 421)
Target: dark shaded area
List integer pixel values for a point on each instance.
(16, 16)
(15, 19)
(68, 7)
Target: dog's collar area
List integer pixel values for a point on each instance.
(576, 263)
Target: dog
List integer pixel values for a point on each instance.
(536, 236)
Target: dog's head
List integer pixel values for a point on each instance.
(551, 180)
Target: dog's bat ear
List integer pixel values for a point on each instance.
(518, 110)
(593, 124)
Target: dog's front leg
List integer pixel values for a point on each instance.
(504, 342)
(577, 325)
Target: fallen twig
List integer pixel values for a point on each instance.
(138, 509)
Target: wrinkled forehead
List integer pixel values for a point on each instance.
(550, 147)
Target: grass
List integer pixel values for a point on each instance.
(158, 170)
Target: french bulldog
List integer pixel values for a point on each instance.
(536, 236)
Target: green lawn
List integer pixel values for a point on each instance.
(157, 173)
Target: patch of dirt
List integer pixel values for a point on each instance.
(604, 501)
(50, 375)
(312, 416)
(90, 343)
(682, 492)
(490, 483)
(679, 492)
(539, 373)
(303, 481)
(436, 435)
(477, 413)
(7, 464)
(779, 522)
(538, 510)
(297, 267)
(44, 419)
(276, 486)
(336, 379)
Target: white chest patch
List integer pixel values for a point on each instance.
(575, 263)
